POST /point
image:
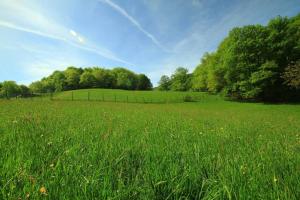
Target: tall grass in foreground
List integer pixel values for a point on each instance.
(95, 150)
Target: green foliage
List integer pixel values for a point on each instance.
(124, 79)
(143, 83)
(59, 80)
(72, 75)
(76, 78)
(12, 89)
(87, 79)
(37, 87)
(200, 74)
(9, 89)
(104, 78)
(164, 83)
(24, 91)
(263, 80)
(179, 81)
(1, 85)
(292, 75)
(251, 62)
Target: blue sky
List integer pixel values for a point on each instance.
(146, 36)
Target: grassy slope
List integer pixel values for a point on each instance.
(131, 96)
(94, 150)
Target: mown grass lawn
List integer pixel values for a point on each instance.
(99, 150)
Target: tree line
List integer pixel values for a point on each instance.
(77, 78)
(253, 62)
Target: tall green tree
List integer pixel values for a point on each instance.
(125, 79)
(59, 81)
(87, 80)
(291, 76)
(72, 75)
(37, 87)
(253, 62)
(24, 91)
(180, 80)
(10, 89)
(143, 83)
(104, 78)
(164, 83)
(75, 78)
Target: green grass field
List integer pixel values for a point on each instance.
(210, 149)
(109, 95)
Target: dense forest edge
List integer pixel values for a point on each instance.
(77, 78)
(253, 63)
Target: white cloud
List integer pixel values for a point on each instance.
(73, 33)
(10, 25)
(77, 36)
(80, 39)
(134, 22)
(23, 17)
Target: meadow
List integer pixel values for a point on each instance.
(116, 95)
(208, 149)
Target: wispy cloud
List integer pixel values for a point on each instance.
(104, 53)
(123, 12)
(29, 20)
(77, 36)
(10, 25)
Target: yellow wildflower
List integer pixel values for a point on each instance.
(43, 190)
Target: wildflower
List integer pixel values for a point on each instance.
(43, 190)
(52, 165)
(27, 196)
